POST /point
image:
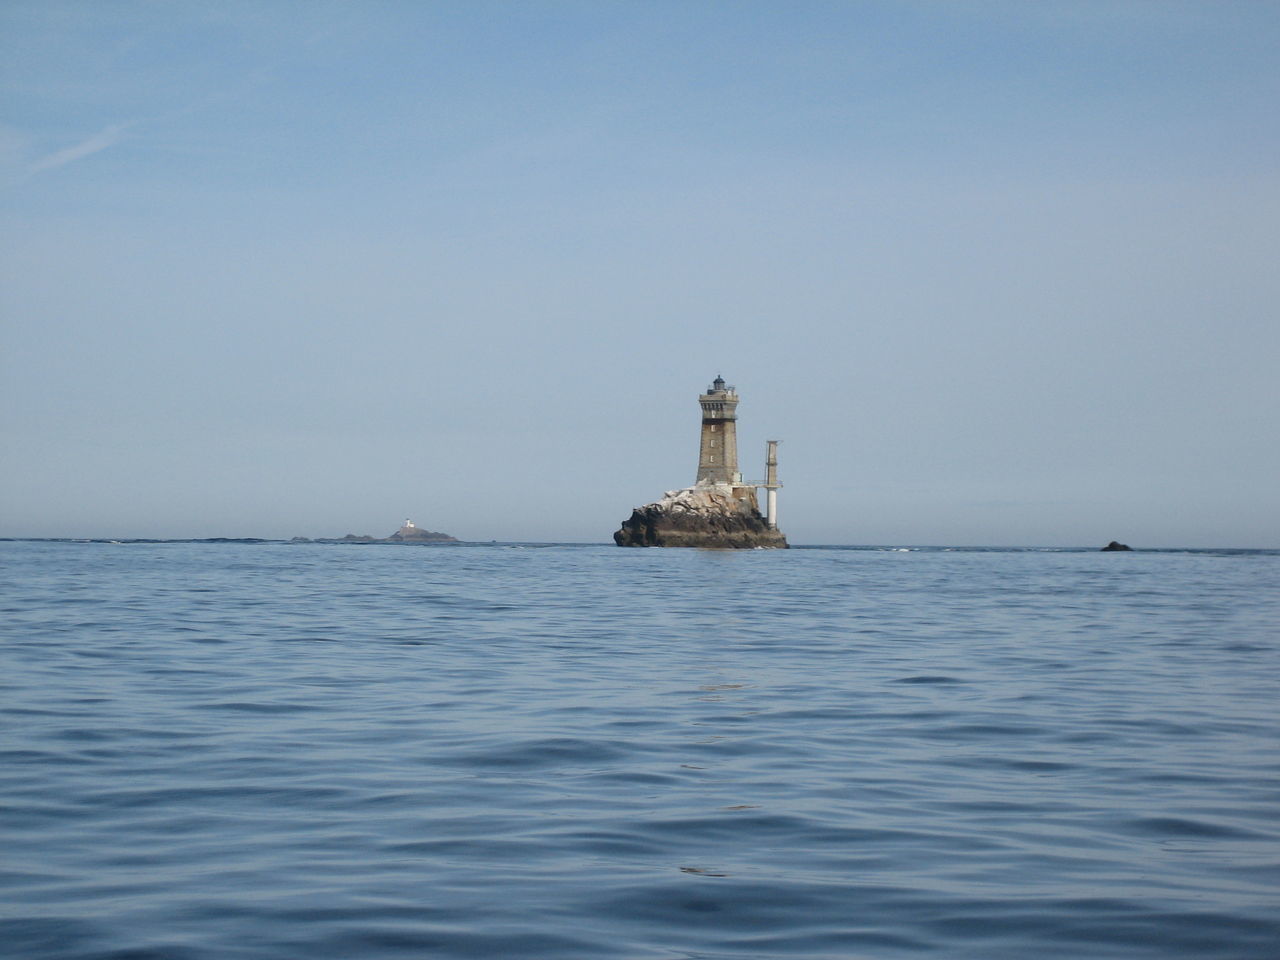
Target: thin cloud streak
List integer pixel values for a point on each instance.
(108, 137)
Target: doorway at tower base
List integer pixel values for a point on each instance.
(706, 515)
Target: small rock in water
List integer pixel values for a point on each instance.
(1114, 545)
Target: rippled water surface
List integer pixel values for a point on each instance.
(252, 750)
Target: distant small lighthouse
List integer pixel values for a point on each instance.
(718, 456)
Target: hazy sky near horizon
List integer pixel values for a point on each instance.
(994, 272)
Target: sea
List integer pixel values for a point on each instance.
(243, 749)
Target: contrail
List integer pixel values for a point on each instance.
(99, 141)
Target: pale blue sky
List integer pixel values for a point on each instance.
(995, 273)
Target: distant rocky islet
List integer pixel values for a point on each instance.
(409, 533)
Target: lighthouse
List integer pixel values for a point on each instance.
(718, 455)
(771, 483)
(721, 509)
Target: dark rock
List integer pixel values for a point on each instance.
(707, 515)
(1113, 545)
(407, 534)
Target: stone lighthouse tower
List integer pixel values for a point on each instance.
(720, 510)
(718, 456)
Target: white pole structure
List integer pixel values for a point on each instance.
(771, 483)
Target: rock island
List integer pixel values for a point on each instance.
(409, 533)
(720, 509)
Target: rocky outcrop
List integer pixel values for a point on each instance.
(706, 515)
(1113, 545)
(418, 535)
(403, 535)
